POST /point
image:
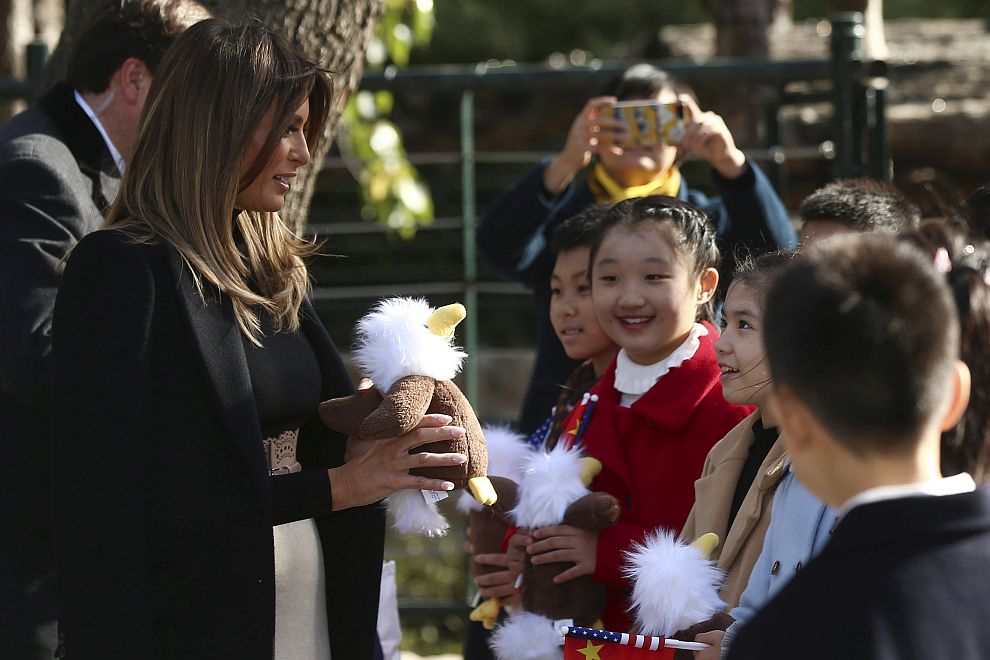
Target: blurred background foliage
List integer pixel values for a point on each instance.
(392, 191)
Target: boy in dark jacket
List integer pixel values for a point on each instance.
(863, 342)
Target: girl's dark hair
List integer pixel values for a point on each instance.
(692, 231)
(759, 271)
(966, 447)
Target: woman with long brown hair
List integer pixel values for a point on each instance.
(189, 365)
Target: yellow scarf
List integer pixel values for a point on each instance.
(608, 190)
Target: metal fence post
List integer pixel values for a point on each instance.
(37, 55)
(469, 206)
(847, 55)
(876, 100)
(777, 162)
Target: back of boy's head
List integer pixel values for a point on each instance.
(862, 330)
(579, 230)
(965, 262)
(863, 205)
(690, 229)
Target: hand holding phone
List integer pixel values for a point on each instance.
(707, 137)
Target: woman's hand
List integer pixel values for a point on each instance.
(565, 543)
(593, 127)
(707, 136)
(374, 469)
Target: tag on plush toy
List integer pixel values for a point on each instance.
(434, 496)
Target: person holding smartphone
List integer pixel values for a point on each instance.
(593, 167)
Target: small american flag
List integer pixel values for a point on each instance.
(592, 644)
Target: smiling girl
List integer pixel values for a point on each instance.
(733, 495)
(659, 409)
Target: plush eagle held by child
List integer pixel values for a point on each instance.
(406, 348)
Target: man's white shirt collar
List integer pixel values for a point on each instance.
(960, 483)
(117, 158)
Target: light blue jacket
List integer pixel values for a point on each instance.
(800, 525)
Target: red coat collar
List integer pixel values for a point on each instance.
(671, 405)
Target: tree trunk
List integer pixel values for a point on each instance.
(16, 30)
(742, 29)
(334, 33)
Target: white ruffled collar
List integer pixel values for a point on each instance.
(637, 379)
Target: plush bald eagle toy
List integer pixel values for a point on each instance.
(552, 491)
(675, 585)
(406, 348)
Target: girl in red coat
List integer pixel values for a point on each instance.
(659, 408)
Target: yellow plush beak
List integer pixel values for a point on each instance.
(443, 321)
(706, 544)
(590, 467)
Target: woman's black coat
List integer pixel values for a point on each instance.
(163, 505)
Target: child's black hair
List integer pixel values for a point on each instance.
(692, 230)
(861, 204)
(966, 447)
(863, 330)
(976, 211)
(644, 81)
(579, 230)
(759, 272)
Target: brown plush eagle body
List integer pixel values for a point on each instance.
(406, 348)
(370, 415)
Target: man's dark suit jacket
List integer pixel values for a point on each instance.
(56, 179)
(163, 505)
(901, 579)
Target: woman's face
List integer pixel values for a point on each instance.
(745, 374)
(633, 166)
(267, 191)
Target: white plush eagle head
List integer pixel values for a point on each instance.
(550, 483)
(406, 337)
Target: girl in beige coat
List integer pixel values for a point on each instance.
(735, 491)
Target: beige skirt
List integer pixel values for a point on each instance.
(301, 631)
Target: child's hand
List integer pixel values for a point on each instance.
(594, 128)
(707, 136)
(713, 652)
(565, 543)
(500, 584)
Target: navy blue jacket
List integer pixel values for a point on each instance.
(514, 240)
(903, 579)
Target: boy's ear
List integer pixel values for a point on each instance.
(961, 385)
(707, 284)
